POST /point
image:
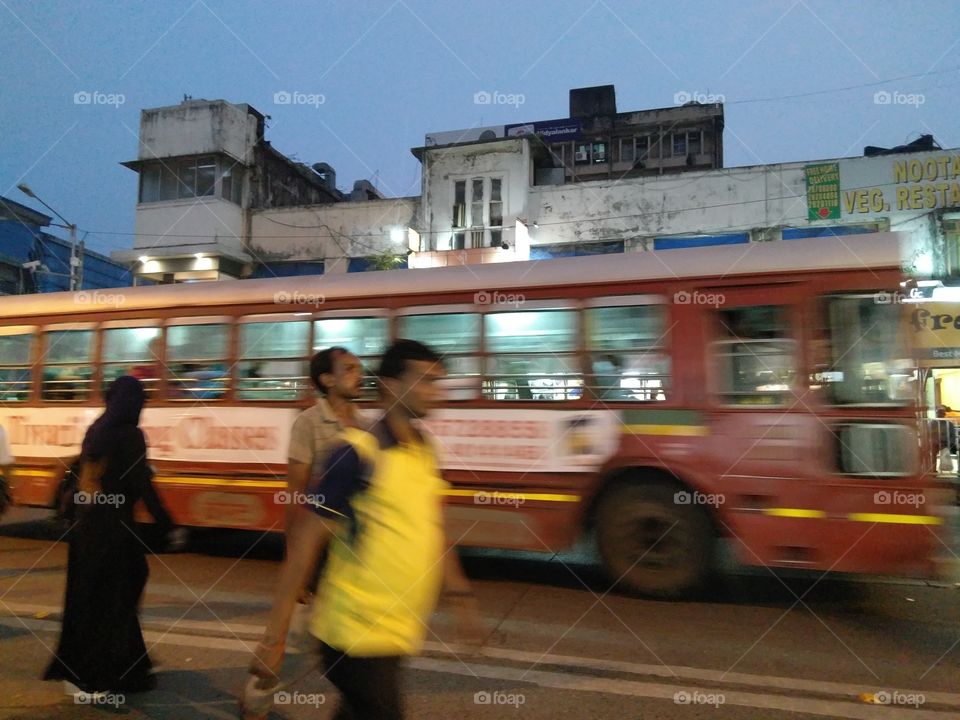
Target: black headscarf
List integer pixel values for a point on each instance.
(125, 399)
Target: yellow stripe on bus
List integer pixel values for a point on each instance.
(794, 513)
(35, 473)
(223, 482)
(686, 430)
(557, 497)
(857, 517)
(896, 519)
(548, 497)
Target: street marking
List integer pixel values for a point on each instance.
(565, 681)
(676, 674)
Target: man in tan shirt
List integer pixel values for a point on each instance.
(337, 375)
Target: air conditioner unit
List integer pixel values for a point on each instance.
(581, 156)
(476, 237)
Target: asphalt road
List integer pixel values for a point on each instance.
(560, 643)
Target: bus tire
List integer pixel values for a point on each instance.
(651, 545)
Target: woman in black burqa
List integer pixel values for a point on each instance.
(101, 647)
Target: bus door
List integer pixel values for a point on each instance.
(762, 433)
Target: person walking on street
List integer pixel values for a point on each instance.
(379, 503)
(101, 646)
(337, 374)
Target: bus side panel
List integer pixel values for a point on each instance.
(522, 511)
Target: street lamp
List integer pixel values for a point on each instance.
(76, 258)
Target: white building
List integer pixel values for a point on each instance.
(204, 166)
(490, 197)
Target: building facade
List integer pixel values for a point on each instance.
(506, 193)
(33, 260)
(203, 167)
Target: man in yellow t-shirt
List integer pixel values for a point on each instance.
(379, 503)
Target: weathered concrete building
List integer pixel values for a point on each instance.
(204, 166)
(362, 234)
(597, 142)
(500, 194)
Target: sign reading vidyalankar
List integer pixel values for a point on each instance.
(823, 191)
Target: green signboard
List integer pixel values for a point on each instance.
(823, 191)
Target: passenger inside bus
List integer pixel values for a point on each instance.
(66, 384)
(199, 381)
(607, 371)
(148, 371)
(14, 384)
(271, 379)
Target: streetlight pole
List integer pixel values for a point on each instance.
(76, 256)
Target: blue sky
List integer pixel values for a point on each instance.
(391, 70)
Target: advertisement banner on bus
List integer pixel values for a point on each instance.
(468, 439)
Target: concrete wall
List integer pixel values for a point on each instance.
(205, 220)
(731, 200)
(198, 127)
(506, 159)
(328, 232)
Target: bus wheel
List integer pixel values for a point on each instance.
(651, 545)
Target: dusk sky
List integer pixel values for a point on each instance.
(390, 71)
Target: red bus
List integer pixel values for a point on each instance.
(655, 403)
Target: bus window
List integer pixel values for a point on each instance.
(132, 351)
(531, 356)
(272, 364)
(456, 336)
(67, 365)
(15, 375)
(197, 361)
(755, 358)
(365, 337)
(627, 353)
(863, 357)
